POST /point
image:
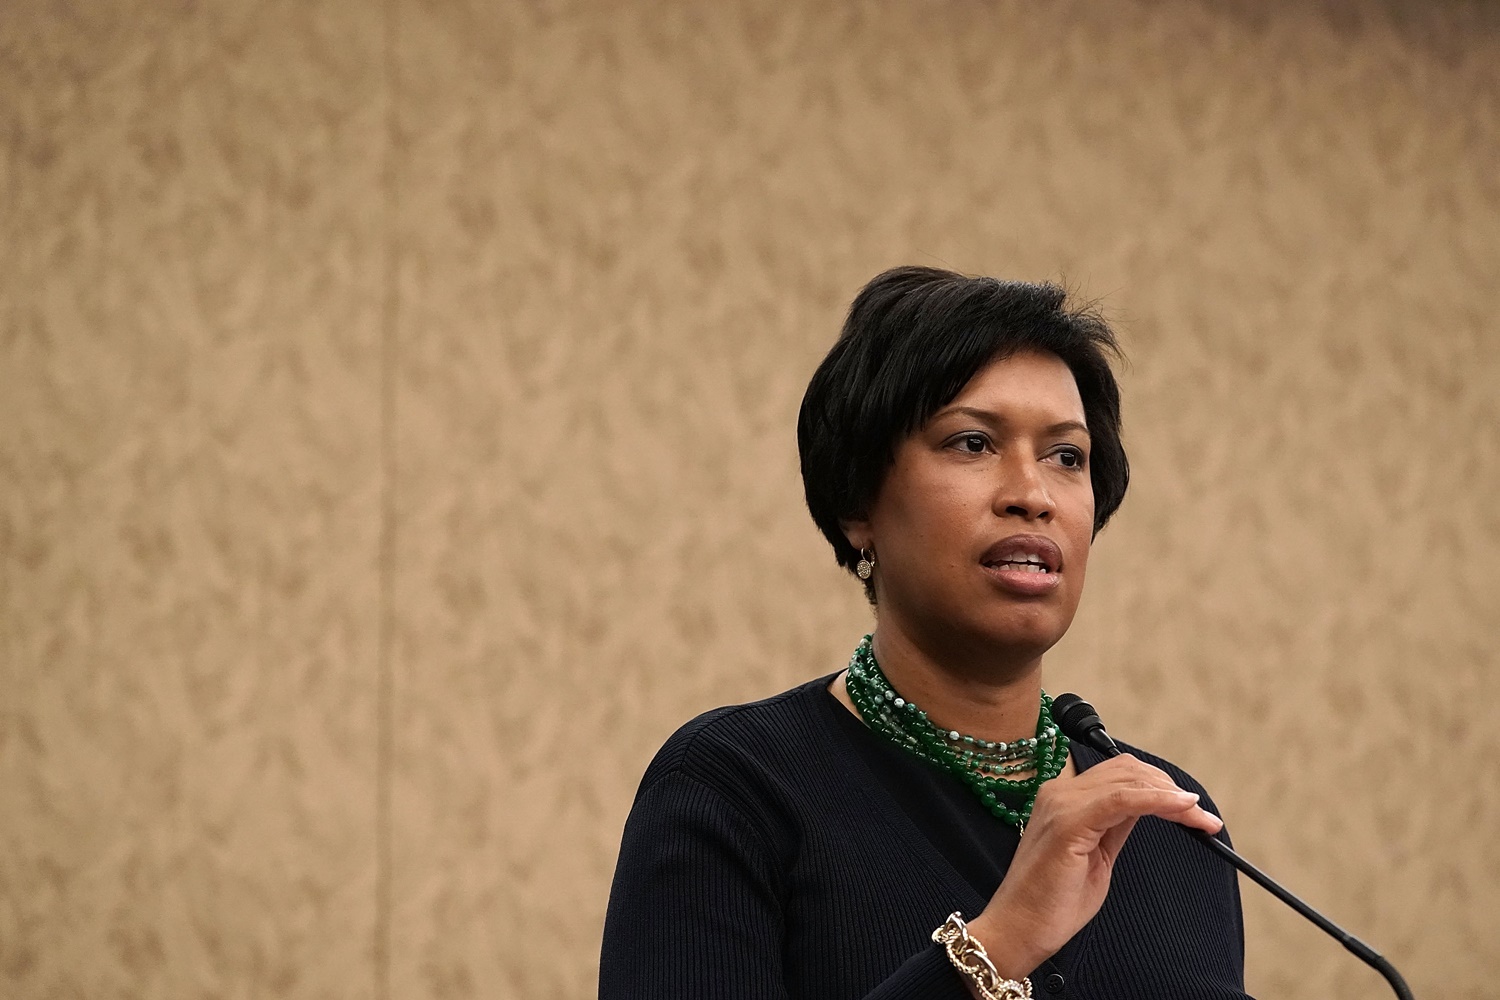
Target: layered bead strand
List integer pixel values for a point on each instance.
(986, 767)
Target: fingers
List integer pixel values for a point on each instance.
(1124, 789)
(1196, 816)
(1182, 807)
(1124, 802)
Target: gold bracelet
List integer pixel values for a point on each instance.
(969, 958)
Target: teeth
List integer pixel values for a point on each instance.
(1025, 567)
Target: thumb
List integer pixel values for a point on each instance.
(1114, 839)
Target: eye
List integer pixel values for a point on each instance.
(972, 443)
(1070, 458)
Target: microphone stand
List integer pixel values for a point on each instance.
(1093, 733)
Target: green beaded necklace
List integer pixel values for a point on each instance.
(982, 765)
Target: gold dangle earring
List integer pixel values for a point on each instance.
(866, 565)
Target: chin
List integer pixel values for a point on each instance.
(966, 625)
(1024, 632)
(989, 641)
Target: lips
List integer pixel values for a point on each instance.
(1025, 554)
(1025, 565)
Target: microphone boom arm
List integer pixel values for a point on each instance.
(1077, 715)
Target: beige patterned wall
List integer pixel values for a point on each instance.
(396, 444)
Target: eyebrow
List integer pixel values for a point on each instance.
(994, 418)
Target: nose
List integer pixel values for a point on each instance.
(1022, 493)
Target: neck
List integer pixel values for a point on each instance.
(980, 692)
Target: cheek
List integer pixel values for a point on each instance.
(1081, 563)
(930, 510)
(927, 537)
(1081, 536)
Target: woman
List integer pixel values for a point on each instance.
(960, 449)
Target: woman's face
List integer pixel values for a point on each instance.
(982, 526)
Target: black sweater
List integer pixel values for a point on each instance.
(782, 850)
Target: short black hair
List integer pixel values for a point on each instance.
(913, 339)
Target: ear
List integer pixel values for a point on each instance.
(858, 533)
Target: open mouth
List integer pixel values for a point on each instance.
(1021, 564)
(1024, 553)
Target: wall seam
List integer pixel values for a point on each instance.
(384, 681)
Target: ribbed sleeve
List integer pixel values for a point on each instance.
(694, 909)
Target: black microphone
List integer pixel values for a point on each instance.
(1079, 722)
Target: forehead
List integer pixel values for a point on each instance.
(1028, 381)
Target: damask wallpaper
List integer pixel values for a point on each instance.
(397, 412)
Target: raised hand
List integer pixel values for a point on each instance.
(1061, 870)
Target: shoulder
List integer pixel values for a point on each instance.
(1087, 757)
(1181, 777)
(739, 774)
(721, 745)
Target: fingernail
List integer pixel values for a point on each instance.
(1187, 796)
